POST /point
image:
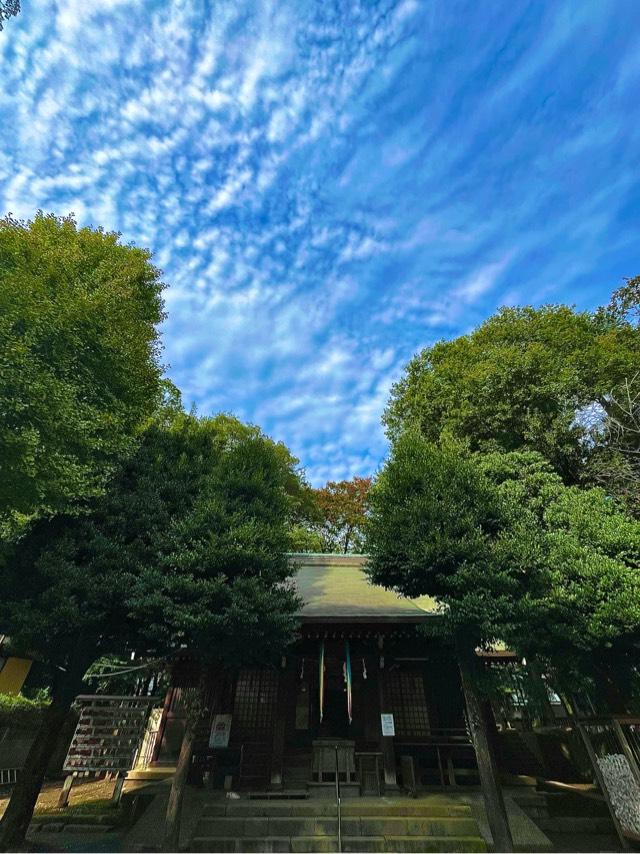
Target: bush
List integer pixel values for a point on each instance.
(19, 712)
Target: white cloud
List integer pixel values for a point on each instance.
(481, 281)
(326, 190)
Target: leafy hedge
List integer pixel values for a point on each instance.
(18, 711)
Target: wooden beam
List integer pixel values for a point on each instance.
(286, 694)
(386, 741)
(63, 800)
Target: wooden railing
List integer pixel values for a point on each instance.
(443, 740)
(8, 776)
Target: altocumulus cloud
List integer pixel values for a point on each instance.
(330, 186)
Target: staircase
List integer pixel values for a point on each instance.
(296, 765)
(255, 765)
(429, 824)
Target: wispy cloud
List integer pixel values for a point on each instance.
(480, 282)
(329, 187)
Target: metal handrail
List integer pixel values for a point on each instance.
(338, 804)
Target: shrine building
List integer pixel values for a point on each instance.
(369, 680)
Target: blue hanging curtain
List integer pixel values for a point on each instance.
(321, 679)
(347, 657)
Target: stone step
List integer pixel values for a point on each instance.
(432, 809)
(74, 818)
(576, 824)
(279, 795)
(309, 808)
(329, 844)
(298, 826)
(231, 844)
(71, 827)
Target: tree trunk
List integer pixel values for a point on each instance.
(195, 711)
(178, 784)
(17, 817)
(485, 755)
(613, 692)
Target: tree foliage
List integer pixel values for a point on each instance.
(614, 461)
(186, 548)
(625, 301)
(520, 380)
(333, 517)
(510, 551)
(79, 360)
(19, 712)
(188, 545)
(581, 586)
(8, 8)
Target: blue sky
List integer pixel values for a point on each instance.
(330, 186)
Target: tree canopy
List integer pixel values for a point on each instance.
(332, 518)
(188, 543)
(523, 379)
(510, 551)
(8, 8)
(625, 301)
(187, 548)
(79, 361)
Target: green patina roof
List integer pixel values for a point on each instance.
(334, 588)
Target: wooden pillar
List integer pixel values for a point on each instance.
(286, 695)
(116, 795)
(386, 741)
(168, 700)
(63, 799)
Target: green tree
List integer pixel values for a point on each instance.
(8, 8)
(523, 379)
(614, 460)
(187, 547)
(79, 361)
(625, 301)
(306, 521)
(433, 519)
(578, 612)
(513, 555)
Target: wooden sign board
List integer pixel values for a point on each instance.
(109, 733)
(388, 725)
(220, 731)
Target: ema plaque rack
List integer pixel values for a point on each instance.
(107, 739)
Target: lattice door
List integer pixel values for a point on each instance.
(254, 710)
(406, 696)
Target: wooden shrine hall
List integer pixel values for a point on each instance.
(367, 686)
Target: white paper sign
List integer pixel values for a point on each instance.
(388, 726)
(220, 731)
